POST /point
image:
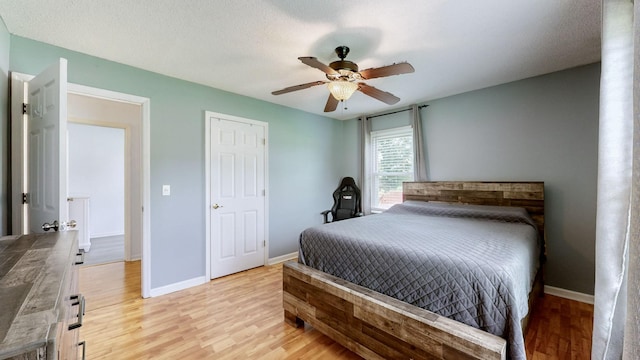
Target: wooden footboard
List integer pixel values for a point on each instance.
(376, 326)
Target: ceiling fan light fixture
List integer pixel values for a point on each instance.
(342, 89)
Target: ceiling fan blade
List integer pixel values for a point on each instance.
(385, 97)
(332, 104)
(297, 87)
(395, 69)
(314, 63)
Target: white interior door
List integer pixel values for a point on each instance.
(237, 196)
(47, 148)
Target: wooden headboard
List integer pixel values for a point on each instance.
(529, 195)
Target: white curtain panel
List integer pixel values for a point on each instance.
(632, 325)
(365, 164)
(419, 160)
(616, 309)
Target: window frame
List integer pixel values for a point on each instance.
(374, 174)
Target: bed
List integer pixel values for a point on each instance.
(373, 285)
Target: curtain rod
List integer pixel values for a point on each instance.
(394, 112)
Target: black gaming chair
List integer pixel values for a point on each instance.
(346, 202)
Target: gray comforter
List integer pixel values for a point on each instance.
(473, 264)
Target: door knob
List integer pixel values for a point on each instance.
(215, 206)
(54, 225)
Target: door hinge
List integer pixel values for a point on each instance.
(25, 108)
(264, 243)
(264, 192)
(25, 198)
(264, 141)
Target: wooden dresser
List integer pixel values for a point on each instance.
(42, 308)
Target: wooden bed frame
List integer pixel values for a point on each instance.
(376, 326)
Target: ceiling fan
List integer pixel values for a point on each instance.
(344, 79)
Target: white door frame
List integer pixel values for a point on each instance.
(18, 160)
(207, 161)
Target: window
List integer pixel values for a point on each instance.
(392, 156)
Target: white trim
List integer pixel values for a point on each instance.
(18, 153)
(182, 285)
(207, 195)
(105, 94)
(569, 294)
(282, 258)
(146, 199)
(145, 103)
(101, 235)
(207, 158)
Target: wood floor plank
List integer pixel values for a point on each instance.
(241, 317)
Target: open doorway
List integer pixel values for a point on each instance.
(105, 176)
(137, 134)
(96, 182)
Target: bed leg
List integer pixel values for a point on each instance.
(293, 320)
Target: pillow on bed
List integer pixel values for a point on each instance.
(487, 212)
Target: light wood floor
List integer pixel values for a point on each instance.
(240, 317)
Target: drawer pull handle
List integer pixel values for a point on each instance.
(80, 313)
(81, 254)
(84, 348)
(75, 297)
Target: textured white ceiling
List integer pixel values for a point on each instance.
(250, 47)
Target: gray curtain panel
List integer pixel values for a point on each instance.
(365, 164)
(419, 159)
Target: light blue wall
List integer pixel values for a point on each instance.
(539, 129)
(302, 156)
(5, 157)
(351, 145)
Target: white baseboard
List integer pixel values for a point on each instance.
(101, 235)
(85, 246)
(282, 258)
(167, 289)
(568, 294)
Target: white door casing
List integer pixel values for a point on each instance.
(47, 147)
(237, 194)
(140, 201)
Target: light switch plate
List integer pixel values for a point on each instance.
(166, 190)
